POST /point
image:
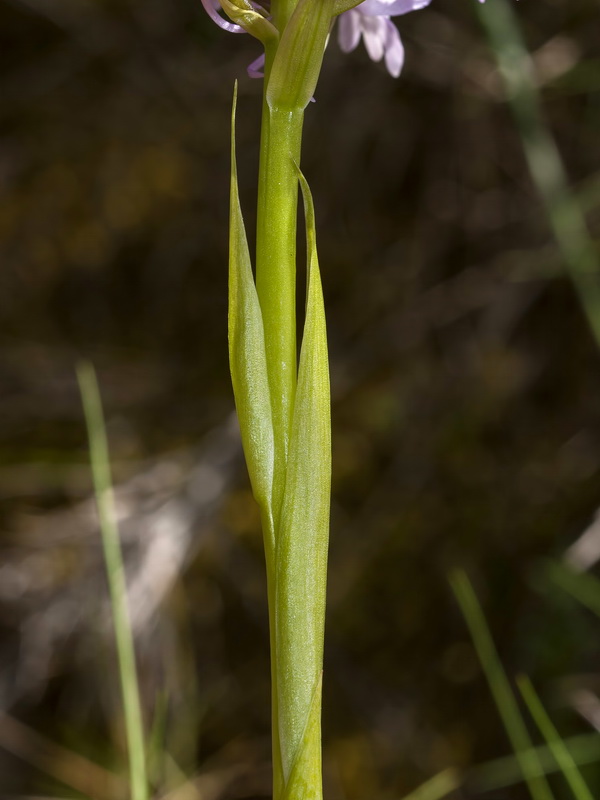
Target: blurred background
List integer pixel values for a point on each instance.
(466, 399)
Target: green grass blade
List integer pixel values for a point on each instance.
(134, 728)
(504, 772)
(155, 747)
(441, 785)
(582, 586)
(500, 688)
(501, 773)
(546, 166)
(247, 358)
(561, 753)
(303, 536)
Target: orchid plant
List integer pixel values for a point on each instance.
(284, 407)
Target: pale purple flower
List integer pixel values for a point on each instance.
(256, 68)
(371, 20)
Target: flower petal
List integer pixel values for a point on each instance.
(394, 50)
(374, 33)
(390, 8)
(212, 9)
(256, 68)
(349, 30)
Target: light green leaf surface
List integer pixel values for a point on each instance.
(302, 539)
(297, 64)
(304, 782)
(247, 357)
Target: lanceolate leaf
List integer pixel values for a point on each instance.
(247, 358)
(302, 539)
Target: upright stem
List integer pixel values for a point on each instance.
(281, 138)
(276, 270)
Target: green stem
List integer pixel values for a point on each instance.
(281, 139)
(276, 286)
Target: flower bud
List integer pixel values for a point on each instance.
(245, 15)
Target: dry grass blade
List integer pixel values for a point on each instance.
(65, 766)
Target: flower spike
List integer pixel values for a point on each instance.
(369, 20)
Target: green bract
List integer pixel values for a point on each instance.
(345, 5)
(295, 71)
(242, 13)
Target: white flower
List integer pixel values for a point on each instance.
(371, 20)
